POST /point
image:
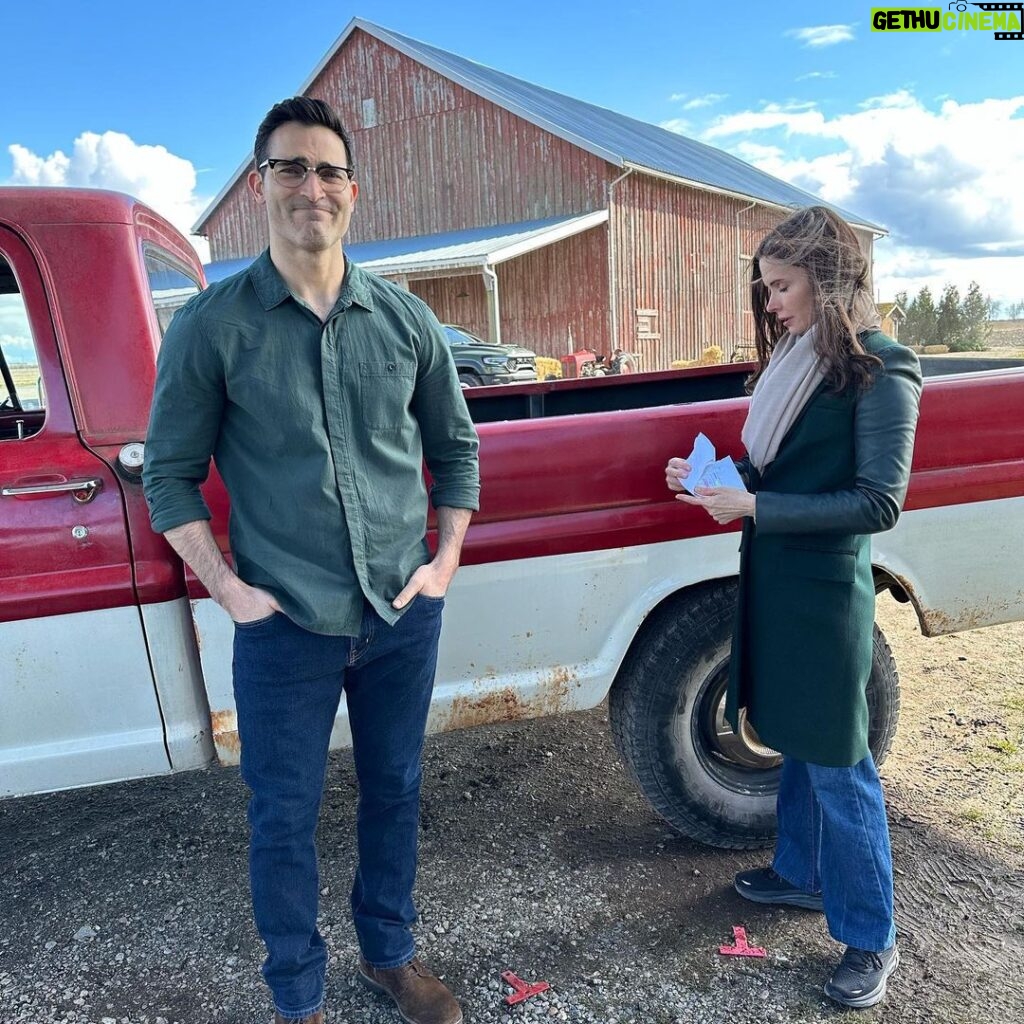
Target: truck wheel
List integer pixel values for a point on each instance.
(667, 710)
(470, 380)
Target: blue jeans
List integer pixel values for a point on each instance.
(288, 683)
(834, 839)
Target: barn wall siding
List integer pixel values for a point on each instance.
(552, 291)
(678, 260)
(543, 296)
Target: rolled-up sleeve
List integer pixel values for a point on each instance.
(885, 422)
(184, 422)
(450, 443)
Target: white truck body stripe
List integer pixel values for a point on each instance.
(538, 636)
(78, 705)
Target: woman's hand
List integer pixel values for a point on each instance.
(676, 470)
(723, 504)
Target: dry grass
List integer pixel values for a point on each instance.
(25, 382)
(959, 755)
(25, 377)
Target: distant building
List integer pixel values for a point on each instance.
(528, 216)
(892, 314)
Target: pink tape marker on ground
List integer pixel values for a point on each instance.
(523, 989)
(741, 948)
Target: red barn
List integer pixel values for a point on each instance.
(530, 217)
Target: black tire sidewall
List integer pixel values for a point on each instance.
(655, 707)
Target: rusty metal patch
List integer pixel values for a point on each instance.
(225, 736)
(552, 695)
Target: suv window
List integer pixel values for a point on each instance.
(169, 287)
(22, 398)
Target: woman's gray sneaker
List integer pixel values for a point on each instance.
(861, 977)
(763, 885)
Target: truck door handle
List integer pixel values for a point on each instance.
(83, 491)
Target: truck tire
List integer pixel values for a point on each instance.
(666, 708)
(470, 380)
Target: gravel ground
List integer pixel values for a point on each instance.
(129, 905)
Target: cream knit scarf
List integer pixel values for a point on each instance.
(793, 373)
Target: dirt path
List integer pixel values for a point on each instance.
(958, 761)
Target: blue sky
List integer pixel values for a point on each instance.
(921, 132)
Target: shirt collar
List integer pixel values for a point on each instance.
(267, 282)
(355, 288)
(272, 291)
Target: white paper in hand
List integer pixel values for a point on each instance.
(707, 471)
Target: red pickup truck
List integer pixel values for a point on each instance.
(582, 578)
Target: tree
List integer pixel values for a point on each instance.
(974, 329)
(1014, 310)
(948, 327)
(919, 328)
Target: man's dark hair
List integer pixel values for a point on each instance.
(302, 110)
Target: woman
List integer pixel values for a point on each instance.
(829, 438)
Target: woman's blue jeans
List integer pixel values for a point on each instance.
(288, 683)
(834, 839)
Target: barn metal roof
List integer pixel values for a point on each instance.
(451, 251)
(622, 141)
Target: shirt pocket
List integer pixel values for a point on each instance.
(385, 392)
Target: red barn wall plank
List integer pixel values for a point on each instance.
(677, 255)
(542, 295)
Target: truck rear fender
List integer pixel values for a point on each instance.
(960, 565)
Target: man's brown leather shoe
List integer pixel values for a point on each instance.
(313, 1018)
(421, 998)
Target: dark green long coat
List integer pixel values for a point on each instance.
(801, 652)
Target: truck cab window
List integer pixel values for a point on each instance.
(22, 398)
(169, 287)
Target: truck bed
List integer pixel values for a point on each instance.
(647, 390)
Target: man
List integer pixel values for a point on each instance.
(319, 389)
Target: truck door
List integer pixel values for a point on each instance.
(77, 701)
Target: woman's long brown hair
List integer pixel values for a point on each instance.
(822, 243)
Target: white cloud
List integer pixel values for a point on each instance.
(115, 161)
(822, 35)
(816, 74)
(944, 180)
(17, 349)
(15, 333)
(679, 125)
(805, 121)
(707, 100)
(909, 269)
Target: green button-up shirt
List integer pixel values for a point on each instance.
(319, 431)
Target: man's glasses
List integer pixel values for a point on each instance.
(292, 174)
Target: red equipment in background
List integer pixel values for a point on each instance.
(580, 363)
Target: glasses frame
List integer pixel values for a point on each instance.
(272, 163)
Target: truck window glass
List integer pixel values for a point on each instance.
(22, 399)
(169, 288)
